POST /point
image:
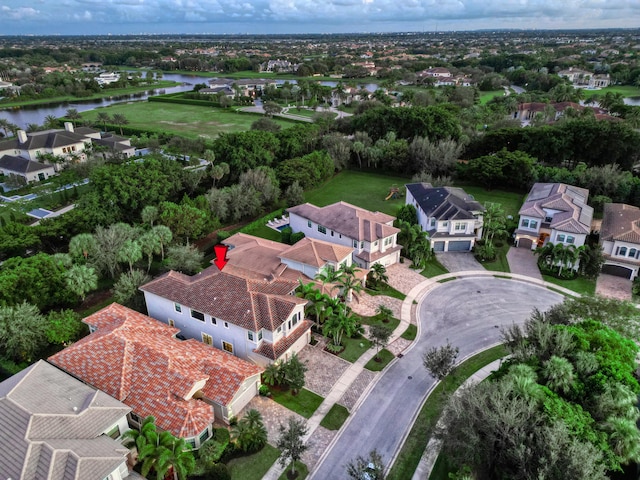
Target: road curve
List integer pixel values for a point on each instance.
(469, 313)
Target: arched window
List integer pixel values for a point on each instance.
(623, 251)
(633, 252)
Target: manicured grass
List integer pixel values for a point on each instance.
(115, 92)
(335, 418)
(377, 320)
(500, 264)
(301, 470)
(255, 466)
(434, 268)
(387, 290)
(385, 357)
(191, 121)
(354, 348)
(625, 90)
(304, 403)
(416, 442)
(267, 232)
(486, 96)
(510, 201)
(363, 189)
(583, 286)
(410, 333)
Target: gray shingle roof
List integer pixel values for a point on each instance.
(52, 424)
(21, 165)
(444, 203)
(620, 222)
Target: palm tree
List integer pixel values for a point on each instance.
(104, 118)
(384, 312)
(177, 458)
(81, 279)
(164, 235)
(351, 286)
(558, 373)
(250, 434)
(328, 275)
(150, 245)
(73, 115)
(130, 253)
(339, 324)
(4, 125)
(624, 438)
(149, 443)
(82, 246)
(50, 122)
(119, 120)
(378, 273)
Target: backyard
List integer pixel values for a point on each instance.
(191, 121)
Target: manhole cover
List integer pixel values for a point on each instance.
(410, 377)
(478, 291)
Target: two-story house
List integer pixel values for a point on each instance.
(371, 234)
(53, 426)
(185, 385)
(451, 217)
(556, 213)
(620, 240)
(28, 170)
(256, 319)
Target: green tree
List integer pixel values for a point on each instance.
(185, 258)
(82, 246)
(130, 252)
(125, 290)
(185, 221)
(119, 120)
(294, 371)
(23, 332)
(64, 327)
(250, 434)
(291, 442)
(80, 280)
(73, 115)
(370, 468)
(378, 274)
(164, 236)
(379, 335)
(149, 215)
(177, 458)
(16, 239)
(338, 325)
(103, 118)
(441, 361)
(150, 444)
(150, 245)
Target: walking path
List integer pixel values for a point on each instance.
(406, 315)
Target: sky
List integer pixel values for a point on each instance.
(91, 17)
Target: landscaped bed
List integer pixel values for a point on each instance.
(304, 403)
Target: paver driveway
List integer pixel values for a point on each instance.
(611, 286)
(459, 261)
(523, 262)
(469, 313)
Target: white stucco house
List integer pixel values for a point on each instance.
(554, 213)
(27, 169)
(451, 217)
(53, 426)
(371, 234)
(620, 240)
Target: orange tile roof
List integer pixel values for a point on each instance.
(137, 360)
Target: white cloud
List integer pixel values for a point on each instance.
(19, 13)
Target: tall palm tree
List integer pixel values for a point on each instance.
(73, 115)
(50, 122)
(329, 275)
(351, 286)
(177, 458)
(378, 273)
(130, 253)
(340, 324)
(82, 246)
(81, 279)
(103, 118)
(558, 373)
(250, 434)
(119, 120)
(164, 235)
(150, 246)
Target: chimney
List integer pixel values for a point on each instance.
(22, 136)
(68, 126)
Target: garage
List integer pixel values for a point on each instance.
(525, 243)
(438, 246)
(617, 271)
(459, 246)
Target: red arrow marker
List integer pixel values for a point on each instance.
(221, 255)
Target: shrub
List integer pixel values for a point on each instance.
(486, 253)
(264, 391)
(286, 235)
(218, 472)
(211, 451)
(296, 237)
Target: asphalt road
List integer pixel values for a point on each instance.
(469, 313)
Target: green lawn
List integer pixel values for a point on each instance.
(255, 466)
(510, 201)
(415, 444)
(354, 348)
(387, 290)
(363, 189)
(301, 470)
(434, 268)
(335, 418)
(377, 320)
(500, 264)
(486, 96)
(114, 92)
(304, 403)
(385, 357)
(410, 333)
(583, 286)
(625, 90)
(191, 121)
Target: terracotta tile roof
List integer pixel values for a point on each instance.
(375, 256)
(349, 220)
(275, 351)
(574, 214)
(250, 304)
(137, 360)
(620, 222)
(316, 253)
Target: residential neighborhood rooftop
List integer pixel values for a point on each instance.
(21, 165)
(620, 222)
(444, 203)
(574, 215)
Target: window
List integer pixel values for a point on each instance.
(548, 219)
(208, 339)
(560, 238)
(525, 223)
(191, 442)
(172, 323)
(361, 245)
(226, 324)
(460, 227)
(332, 233)
(204, 436)
(322, 230)
(445, 224)
(571, 239)
(375, 244)
(250, 336)
(214, 321)
(308, 223)
(633, 252)
(433, 222)
(114, 432)
(197, 315)
(227, 347)
(177, 307)
(260, 335)
(388, 241)
(623, 251)
(135, 418)
(533, 224)
(279, 329)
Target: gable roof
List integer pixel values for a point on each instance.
(574, 215)
(620, 222)
(47, 139)
(22, 165)
(349, 220)
(139, 361)
(316, 252)
(444, 203)
(247, 303)
(52, 425)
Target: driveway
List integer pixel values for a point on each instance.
(459, 261)
(523, 262)
(468, 312)
(611, 286)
